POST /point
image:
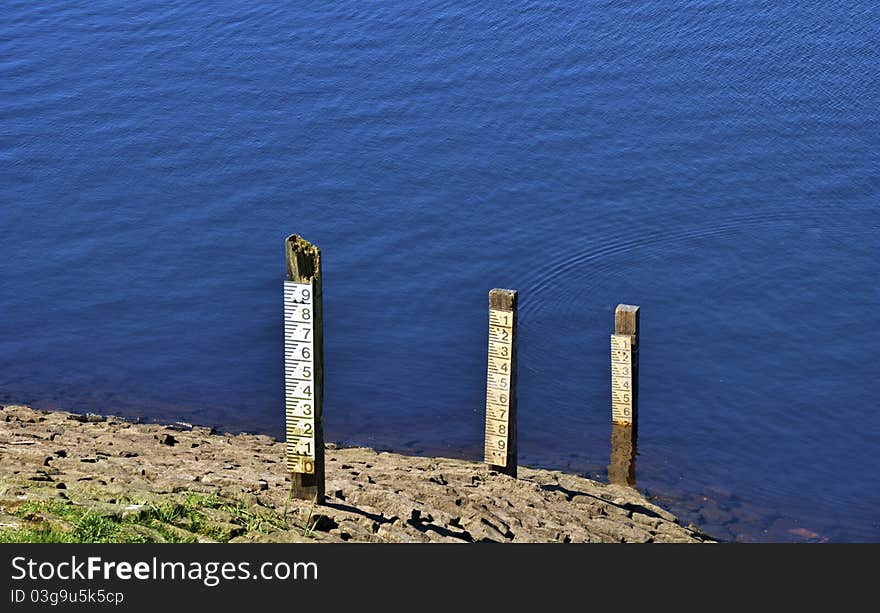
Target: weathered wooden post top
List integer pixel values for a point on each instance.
(304, 369)
(500, 449)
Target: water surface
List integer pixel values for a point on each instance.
(713, 162)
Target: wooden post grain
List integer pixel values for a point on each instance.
(304, 393)
(501, 447)
(622, 468)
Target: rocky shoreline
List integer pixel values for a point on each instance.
(85, 478)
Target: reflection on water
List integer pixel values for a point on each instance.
(622, 469)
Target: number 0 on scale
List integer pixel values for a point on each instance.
(299, 368)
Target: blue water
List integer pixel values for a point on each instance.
(714, 162)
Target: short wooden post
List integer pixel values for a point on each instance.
(304, 369)
(624, 395)
(622, 469)
(500, 449)
(625, 365)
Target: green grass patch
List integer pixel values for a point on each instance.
(178, 520)
(32, 535)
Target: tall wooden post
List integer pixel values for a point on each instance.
(500, 449)
(624, 395)
(304, 369)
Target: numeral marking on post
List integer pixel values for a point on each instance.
(621, 379)
(299, 369)
(498, 386)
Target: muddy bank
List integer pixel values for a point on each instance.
(59, 471)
